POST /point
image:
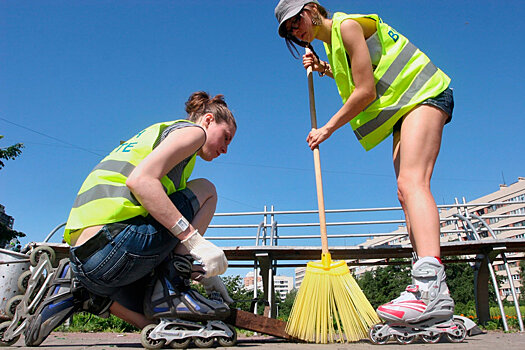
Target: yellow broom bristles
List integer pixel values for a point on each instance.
(330, 306)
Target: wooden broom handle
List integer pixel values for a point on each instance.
(317, 162)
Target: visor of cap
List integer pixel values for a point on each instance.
(286, 10)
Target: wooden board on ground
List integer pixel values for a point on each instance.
(257, 323)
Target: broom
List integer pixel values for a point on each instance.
(329, 306)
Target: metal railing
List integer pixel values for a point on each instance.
(257, 229)
(467, 219)
(265, 230)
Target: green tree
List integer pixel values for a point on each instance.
(10, 152)
(236, 290)
(285, 307)
(460, 281)
(385, 283)
(7, 234)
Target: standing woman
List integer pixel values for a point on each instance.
(388, 86)
(138, 211)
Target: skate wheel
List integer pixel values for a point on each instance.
(3, 327)
(459, 333)
(23, 281)
(203, 342)
(149, 343)
(405, 340)
(228, 341)
(376, 337)
(431, 339)
(179, 343)
(10, 306)
(35, 255)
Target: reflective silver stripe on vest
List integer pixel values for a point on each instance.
(383, 116)
(104, 191)
(117, 166)
(394, 70)
(124, 168)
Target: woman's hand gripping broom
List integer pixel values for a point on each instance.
(329, 306)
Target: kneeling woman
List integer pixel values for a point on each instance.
(134, 209)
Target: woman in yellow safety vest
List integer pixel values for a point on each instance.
(387, 86)
(128, 219)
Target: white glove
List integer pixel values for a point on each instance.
(208, 254)
(215, 284)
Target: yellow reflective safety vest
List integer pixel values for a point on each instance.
(404, 78)
(104, 197)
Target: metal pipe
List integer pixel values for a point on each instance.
(285, 212)
(53, 232)
(272, 229)
(257, 235)
(467, 221)
(509, 275)
(265, 219)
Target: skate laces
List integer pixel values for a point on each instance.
(409, 294)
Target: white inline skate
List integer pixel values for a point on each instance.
(184, 315)
(425, 309)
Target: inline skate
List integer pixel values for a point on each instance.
(33, 283)
(424, 309)
(51, 296)
(184, 315)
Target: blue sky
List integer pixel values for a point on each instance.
(76, 77)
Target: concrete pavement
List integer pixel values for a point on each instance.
(127, 341)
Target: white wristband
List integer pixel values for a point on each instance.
(180, 226)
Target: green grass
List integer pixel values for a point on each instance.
(496, 321)
(84, 322)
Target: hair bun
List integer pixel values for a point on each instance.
(200, 103)
(197, 102)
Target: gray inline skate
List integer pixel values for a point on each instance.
(33, 283)
(184, 314)
(51, 296)
(425, 309)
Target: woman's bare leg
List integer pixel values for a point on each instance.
(138, 320)
(395, 156)
(415, 155)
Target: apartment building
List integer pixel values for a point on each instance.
(282, 284)
(299, 276)
(504, 211)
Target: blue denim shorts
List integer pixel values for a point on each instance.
(443, 101)
(121, 268)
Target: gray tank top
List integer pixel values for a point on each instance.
(374, 47)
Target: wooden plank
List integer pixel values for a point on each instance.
(247, 253)
(257, 323)
(240, 253)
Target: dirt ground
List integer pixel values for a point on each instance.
(492, 340)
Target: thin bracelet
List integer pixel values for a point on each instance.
(323, 73)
